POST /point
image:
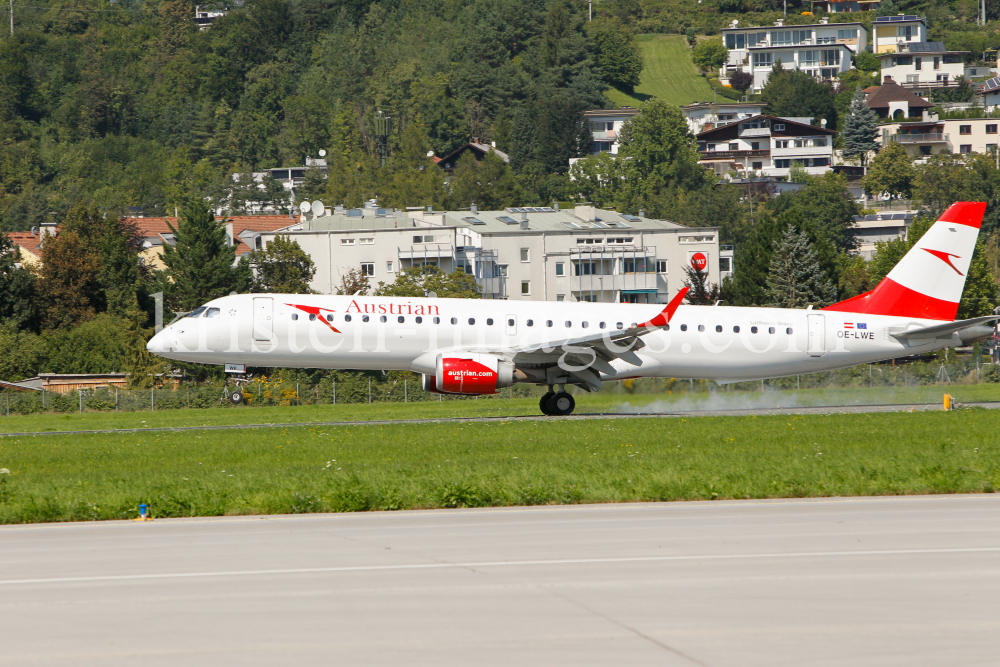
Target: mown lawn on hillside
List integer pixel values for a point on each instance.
(669, 74)
(422, 466)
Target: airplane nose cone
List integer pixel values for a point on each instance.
(153, 345)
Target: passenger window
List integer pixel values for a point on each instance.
(602, 324)
(420, 320)
(364, 318)
(347, 318)
(770, 330)
(212, 312)
(312, 317)
(568, 324)
(548, 323)
(454, 320)
(472, 320)
(329, 318)
(437, 320)
(736, 329)
(383, 318)
(718, 328)
(620, 325)
(400, 319)
(295, 316)
(668, 327)
(684, 327)
(701, 327)
(530, 323)
(196, 312)
(489, 321)
(510, 323)
(753, 329)
(788, 331)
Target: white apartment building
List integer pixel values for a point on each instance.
(539, 254)
(757, 49)
(931, 137)
(880, 227)
(893, 32)
(924, 65)
(606, 126)
(703, 116)
(843, 6)
(990, 93)
(767, 145)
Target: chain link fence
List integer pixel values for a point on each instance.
(332, 388)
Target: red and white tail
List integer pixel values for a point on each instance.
(928, 281)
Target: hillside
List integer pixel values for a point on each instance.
(669, 74)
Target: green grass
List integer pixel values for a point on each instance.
(312, 469)
(669, 74)
(604, 402)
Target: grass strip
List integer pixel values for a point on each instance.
(317, 469)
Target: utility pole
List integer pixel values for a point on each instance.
(12, 17)
(590, 9)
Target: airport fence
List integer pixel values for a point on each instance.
(288, 387)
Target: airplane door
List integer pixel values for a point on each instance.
(511, 325)
(263, 318)
(817, 335)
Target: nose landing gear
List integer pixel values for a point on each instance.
(236, 395)
(557, 404)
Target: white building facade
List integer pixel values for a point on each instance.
(707, 115)
(823, 49)
(892, 33)
(540, 254)
(768, 146)
(932, 137)
(924, 65)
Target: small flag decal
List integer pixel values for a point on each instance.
(862, 325)
(848, 325)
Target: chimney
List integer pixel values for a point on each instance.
(524, 217)
(474, 208)
(555, 205)
(780, 23)
(888, 79)
(524, 222)
(642, 214)
(430, 208)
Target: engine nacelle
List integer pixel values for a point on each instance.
(469, 373)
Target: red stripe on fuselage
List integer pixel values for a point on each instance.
(891, 298)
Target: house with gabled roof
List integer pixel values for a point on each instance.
(890, 100)
(767, 145)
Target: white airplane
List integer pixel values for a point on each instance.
(475, 347)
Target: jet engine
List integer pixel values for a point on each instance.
(470, 373)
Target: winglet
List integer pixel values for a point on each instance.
(664, 317)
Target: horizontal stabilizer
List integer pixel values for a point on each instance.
(945, 330)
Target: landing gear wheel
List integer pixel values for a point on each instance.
(543, 404)
(236, 397)
(561, 404)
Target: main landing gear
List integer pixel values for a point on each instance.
(557, 404)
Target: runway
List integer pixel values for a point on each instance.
(852, 581)
(736, 412)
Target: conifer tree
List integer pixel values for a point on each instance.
(795, 279)
(748, 286)
(200, 264)
(701, 292)
(860, 128)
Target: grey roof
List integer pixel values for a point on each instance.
(925, 47)
(899, 17)
(540, 219)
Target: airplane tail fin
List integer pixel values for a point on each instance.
(928, 282)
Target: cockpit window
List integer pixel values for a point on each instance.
(212, 312)
(197, 312)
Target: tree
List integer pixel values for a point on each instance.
(422, 280)
(795, 278)
(701, 293)
(825, 208)
(21, 353)
(710, 54)
(17, 286)
(741, 80)
(940, 182)
(753, 261)
(887, 8)
(200, 265)
(69, 281)
(860, 128)
(353, 282)
(890, 172)
(619, 58)
(794, 93)
(283, 267)
(866, 61)
(487, 183)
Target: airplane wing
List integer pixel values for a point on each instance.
(944, 330)
(583, 357)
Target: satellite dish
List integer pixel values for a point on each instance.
(430, 153)
(322, 152)
(317, 208)
(304, 207)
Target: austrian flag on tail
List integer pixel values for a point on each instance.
(928, 282)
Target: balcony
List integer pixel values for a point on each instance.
(930, 138)
(605, 135)
(732, 155)
(802, 151)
